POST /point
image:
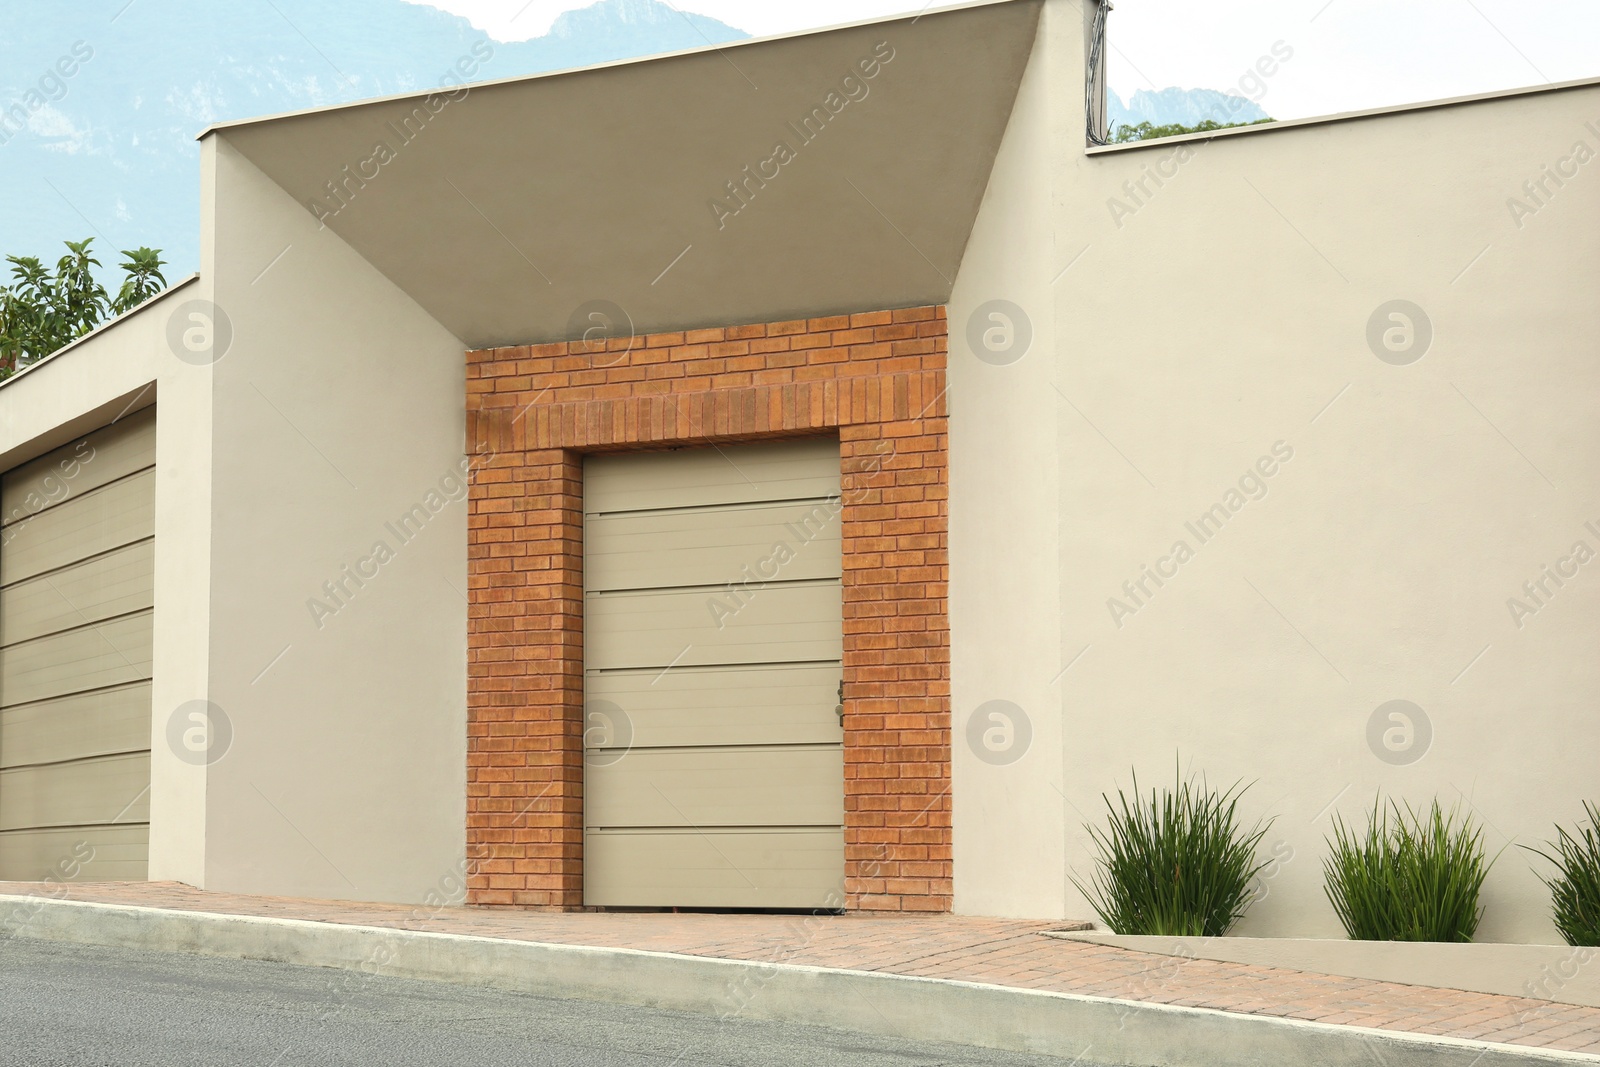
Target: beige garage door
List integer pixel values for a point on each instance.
(714, 765)
(76, 599)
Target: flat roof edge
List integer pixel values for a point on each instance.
(109, 324)
(1346, 116)
(911, 16)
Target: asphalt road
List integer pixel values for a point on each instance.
(73, 1005)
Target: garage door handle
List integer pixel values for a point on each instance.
(839, 711)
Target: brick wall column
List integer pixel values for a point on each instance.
(525, 674)
(897, 666)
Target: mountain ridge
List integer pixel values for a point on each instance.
(1187, 107)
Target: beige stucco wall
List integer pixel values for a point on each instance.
(337, 408)
(1003, 576)
(180, 668)
(1227, 313)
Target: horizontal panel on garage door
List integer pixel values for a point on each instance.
(721, 705)
(117, 583)
(787, 785)
(78, 853)
(715, 869)
(96, 723)
(778, 624)
(109, 517)
(82, 793)
(102, 457)
(91, 657)
(786, 470)
(713, 547)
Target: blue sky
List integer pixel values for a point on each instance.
(1348, 54)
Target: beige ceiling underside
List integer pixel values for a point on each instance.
(524, 200)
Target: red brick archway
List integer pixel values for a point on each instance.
(878, 381)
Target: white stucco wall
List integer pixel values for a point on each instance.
(1225, 313)
(338, 407)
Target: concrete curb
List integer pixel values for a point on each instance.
(1067, 1025)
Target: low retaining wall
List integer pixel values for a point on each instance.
(1558, 973)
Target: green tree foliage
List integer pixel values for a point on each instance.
(43, 311)
(1144, 131)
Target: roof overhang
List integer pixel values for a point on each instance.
(506, 209)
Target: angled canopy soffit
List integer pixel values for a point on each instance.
(805, 175)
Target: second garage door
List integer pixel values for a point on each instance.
(76, 603)
(714, 767)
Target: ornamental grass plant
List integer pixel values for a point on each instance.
(1176, 862)
(1575, 889)
(1407, 877)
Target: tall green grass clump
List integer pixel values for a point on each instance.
(1175, 863)
(1575, 890)
(1407, 877)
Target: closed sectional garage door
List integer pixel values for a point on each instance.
(714, 766)
(76, 599)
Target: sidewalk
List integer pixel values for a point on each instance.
(998, 952)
